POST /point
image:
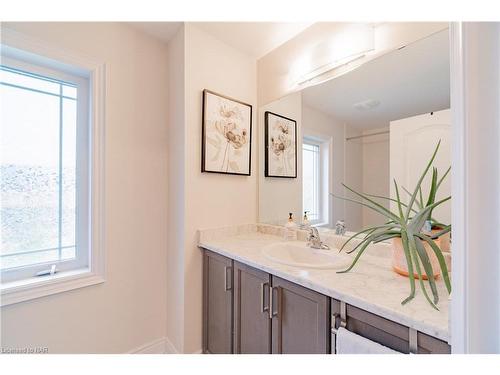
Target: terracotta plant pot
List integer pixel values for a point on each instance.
(399, 259)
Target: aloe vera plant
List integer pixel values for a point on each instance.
(407, 223)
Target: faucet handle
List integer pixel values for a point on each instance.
(340, 227)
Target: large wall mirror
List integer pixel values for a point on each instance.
(364, 128)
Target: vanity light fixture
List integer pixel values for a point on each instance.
(344, 48)
(327, 68)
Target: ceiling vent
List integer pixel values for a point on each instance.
(367, 105)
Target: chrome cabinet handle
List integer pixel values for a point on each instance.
(271, 302)
(278, 314)
(263, 306)
(272, 313)
(226, 278)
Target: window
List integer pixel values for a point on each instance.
(42, 128)
(50, 174)
(315, 179)
(311, 180)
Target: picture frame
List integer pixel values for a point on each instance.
(280, 146)
(226, 142)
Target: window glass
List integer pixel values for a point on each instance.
(37, 169)
(310, 178)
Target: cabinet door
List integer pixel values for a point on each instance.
(301, 319)
(252, 324)
(217, 303)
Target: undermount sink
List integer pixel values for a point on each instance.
(297, 254)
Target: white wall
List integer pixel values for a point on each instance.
(129, 309)
(210, 200)
(279, 196)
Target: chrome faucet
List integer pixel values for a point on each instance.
(340, 228)
(314, 241)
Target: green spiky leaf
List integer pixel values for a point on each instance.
(408, 228)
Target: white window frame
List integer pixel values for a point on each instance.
(82, 173)
(90, 269)
(325, 178)
(314, 143)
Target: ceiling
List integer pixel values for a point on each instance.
(406, 82)
(252, 38)
(256, 39)
(160, 30)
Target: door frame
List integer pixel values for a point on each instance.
(474, 56)
(458, 324)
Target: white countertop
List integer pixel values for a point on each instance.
(371, 285)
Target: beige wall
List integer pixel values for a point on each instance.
(362, 164)
(367, 170)
(210, 200)
(129, 309)
(318, 124)
(279, 196)
(376, 176)
(176, 193)
(353, 178)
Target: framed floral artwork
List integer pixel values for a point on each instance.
(281, 146)
(226, 135)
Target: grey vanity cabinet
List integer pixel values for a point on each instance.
(386, 332)
(297, 323)
(246, 310)
(300, 319)
(217, 303)
(252, 324)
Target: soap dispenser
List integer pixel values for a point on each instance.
(290, 232)
(305, 221)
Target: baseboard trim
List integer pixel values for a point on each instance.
(157, 346)
(169, 347)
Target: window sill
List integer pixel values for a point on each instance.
(36, 287)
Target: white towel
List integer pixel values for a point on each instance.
(348, 342)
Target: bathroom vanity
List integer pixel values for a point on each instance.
(254, 303)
